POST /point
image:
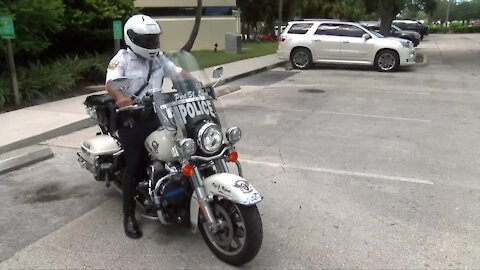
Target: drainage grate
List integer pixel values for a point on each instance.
(312, 91)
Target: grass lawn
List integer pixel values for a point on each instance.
(208, 58)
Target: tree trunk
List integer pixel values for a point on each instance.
(292, 9)
(386, 9)
(193, 35)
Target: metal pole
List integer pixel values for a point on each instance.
(13, 73)
(116, 45)
(280, 11)
(448, 12)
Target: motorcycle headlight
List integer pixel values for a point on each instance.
(210, 138)
(234, 134)
(188, 147)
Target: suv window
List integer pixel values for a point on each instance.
(343, 30)
(328, 29)
(351, 31)
(300, 28)
(406, 25)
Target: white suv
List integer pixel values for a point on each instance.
(315, 41)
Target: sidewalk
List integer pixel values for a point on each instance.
(34, 124)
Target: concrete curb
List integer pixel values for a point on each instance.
(226, 89)
(60, 131)
(24, 157)
(255, 71)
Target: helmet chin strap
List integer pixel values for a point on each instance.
(140, 56)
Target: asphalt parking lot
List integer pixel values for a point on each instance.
(359, 169)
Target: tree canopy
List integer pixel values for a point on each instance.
(266, 11)
(34, 21)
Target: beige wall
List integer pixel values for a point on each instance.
(184, 3)
(176, 30)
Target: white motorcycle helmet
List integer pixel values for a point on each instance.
(142, 35)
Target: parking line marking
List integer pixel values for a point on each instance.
(376, 116)
(358, 115)
(328, 86)
(342, 172)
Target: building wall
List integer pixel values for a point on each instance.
(176, 30)
(184, 3)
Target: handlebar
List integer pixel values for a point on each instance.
(130, 108)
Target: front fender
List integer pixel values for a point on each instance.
(228, 186)
(231, 187)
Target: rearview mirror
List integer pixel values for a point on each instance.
(122, 83)
(366, 36)
(217, 72)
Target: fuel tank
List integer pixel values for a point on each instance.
(160, 143)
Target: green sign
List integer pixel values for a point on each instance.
(117, 30)
(6, 27)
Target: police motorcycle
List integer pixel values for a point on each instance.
(189, 179)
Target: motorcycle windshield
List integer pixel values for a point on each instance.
(184, 101)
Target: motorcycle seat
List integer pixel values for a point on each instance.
(99, 100)
(105, 110)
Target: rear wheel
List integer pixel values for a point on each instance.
(301, 58)
(387, 61)
(240, 235)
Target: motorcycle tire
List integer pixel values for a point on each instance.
(251, 232)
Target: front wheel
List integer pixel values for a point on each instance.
(386, 61)
(301, 58)
(240, 233)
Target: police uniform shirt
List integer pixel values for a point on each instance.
(127, 64)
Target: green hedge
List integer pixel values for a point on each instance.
(455, 29)
(54, 78)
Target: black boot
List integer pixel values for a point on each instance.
(129, 221)
(131, 227)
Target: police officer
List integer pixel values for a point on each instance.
(145, 65)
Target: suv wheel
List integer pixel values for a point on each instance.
(301, 58)
(387, 60)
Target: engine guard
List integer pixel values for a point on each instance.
(227, 186)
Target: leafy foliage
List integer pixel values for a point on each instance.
(458, 29)
(34, 20)
(59, 77)
(461, 11)
(81, 14)
(5, 94)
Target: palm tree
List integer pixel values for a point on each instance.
(196, 26)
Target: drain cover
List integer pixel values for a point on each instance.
(312, 91)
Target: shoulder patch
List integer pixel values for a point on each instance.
(113, 64)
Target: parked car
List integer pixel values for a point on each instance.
(412, 25)
(306, 42)
(413, 36)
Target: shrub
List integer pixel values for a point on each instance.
(38, 80)
(456, 29)
(54, 78)
(5, 92)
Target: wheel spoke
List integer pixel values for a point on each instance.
(237, 242)
(230, 239)
(240, 232)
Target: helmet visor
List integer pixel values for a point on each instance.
(147, 41)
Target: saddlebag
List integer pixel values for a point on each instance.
(100, 155)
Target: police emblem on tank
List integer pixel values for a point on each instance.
(155, 146)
